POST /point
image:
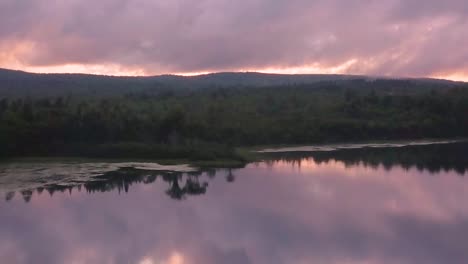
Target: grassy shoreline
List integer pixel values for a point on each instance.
(212, 157)
(221, 163)
(200, 154)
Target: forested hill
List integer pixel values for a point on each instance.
(23, 84)
(205, 117)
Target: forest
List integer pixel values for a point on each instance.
(212, 122)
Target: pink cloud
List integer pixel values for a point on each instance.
(398, 38)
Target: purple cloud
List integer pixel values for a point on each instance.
(408, 38)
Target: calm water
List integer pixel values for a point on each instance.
(405, 205)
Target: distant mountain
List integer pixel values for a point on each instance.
(19, 83)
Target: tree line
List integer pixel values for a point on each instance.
(209, 123)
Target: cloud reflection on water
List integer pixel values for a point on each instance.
(322, 212)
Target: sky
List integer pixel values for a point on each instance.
(407, 38)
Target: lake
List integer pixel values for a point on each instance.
(358, 205)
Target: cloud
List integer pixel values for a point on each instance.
(407, 38)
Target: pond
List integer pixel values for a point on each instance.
(352, 205)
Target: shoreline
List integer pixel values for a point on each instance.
(361, 145)
(241, 156)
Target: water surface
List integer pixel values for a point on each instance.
(402, 205)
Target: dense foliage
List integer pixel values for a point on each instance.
(207, 123)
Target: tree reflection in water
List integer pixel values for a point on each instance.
(432, 158)
(180, 185)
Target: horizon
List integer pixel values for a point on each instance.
(241, 72)
(147, 38)
(455, 78)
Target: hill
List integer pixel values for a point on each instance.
(23, 84)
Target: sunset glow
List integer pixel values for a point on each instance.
(141, 38)
(119, 70)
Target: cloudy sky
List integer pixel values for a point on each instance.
(145, 37)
